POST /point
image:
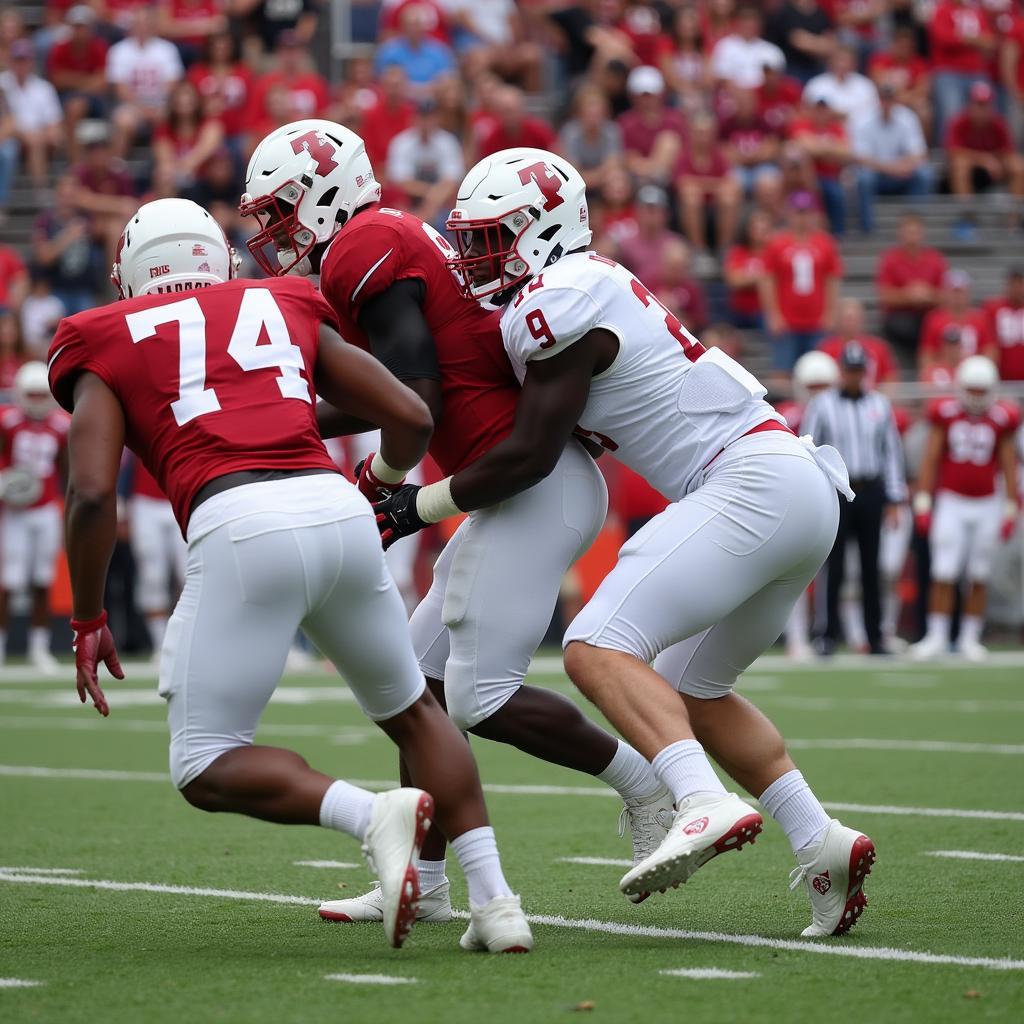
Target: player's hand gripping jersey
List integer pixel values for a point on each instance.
(666, 407)
(213, 382)
(379, 247)
(970, 458)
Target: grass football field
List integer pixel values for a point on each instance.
(120, 903)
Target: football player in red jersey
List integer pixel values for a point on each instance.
(386, 275)
(210, 381)
(971, 444)
(1005, 315)
(33, 457)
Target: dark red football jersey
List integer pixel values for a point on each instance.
(211, 380)
(35, 445)
(379, 247)
(969, 464)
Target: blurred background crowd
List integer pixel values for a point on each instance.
(786, 175)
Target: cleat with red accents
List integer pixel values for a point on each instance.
(704, 826)
(833, 872)
(498, 927)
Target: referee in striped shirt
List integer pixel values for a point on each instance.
(860, 424)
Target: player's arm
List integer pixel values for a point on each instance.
(354, 381)
(926, 476)
(95, 441)
(1008, 465)
(553, 397)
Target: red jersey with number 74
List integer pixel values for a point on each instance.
(212, 380)
(375, 249)
(665, 406)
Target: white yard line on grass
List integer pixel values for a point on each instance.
(370, 979)
(974, 855)
(610, 862)
(586, 925)
(19, 983)
(926, 746)
(339, 864)
(115, 775)
(705, 973)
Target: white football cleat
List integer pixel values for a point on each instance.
(833, 872)
(928, 648)
(399, 822)
(972, 650)
(498, 927)
(649, 822)
(435, 906)
(704, 826)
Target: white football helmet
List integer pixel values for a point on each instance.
(303, 182)
(813, 371)
(517, 212)
(171, 245)
(977, 381)
(32, 390)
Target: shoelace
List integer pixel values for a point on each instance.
(641, 825)
(796, 876)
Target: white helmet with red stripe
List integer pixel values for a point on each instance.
(171, 245)
(977, 381)
(303, 182)
(517, 212)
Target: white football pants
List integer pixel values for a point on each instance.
(964, 537)
(30, 540)
(159, 551)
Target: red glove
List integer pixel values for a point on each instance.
(370, 486)
(1009, 527)
(92, 644)
(923, 523)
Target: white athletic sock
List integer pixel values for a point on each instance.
(791, 803)
(971, 627)
(685, 769)
(629, 774)
(431, 873)
(347, 808)
(39, 639)
(938, 625)
(477, 851)
(157, 628)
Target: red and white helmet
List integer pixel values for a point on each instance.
(517, 212)
(812, 372)
(32, 390)
(171, 245)
(977, 381)
(303, 182)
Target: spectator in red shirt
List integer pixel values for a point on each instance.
(222, 78)
(13, 279)
(275, 110)
(683, 59)
(1005, 316)
(703, 180)
(678, 290)
(514, 127)
(778, 97)
(881, 368)
(12, 349)
(393, 111)
(618, 212)
(901, 67)
(186, 139)
(821, 137)
(956, 317)
(1011, 74)
(980, 148)
(643, 252)
(752, 145)
(743, 269)
(306, 87)
(961, 41)
(652, 132)
(189, 23)
(77, 69)
(104, 188)
(800, 285)
(908, 281)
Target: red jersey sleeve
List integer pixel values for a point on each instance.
(770, 256)
(832, 264)
(367, 262)
(68, 358)
(941, 410)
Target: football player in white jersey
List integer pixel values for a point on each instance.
(704, 587)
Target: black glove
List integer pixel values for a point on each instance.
(397, 516)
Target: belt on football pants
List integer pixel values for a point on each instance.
(229, 481)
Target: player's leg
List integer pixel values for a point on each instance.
(152, 566)
(981, 553)
(892, 558)
(361, 627)
(948, 543)
(14, 565)
(754, 521)
(45, 540)
(869, 531)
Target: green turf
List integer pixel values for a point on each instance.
(116, 956)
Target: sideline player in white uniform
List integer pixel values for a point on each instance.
(211, 382)
(706, 585)
(33, 453)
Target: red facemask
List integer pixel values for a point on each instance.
(277, 248)
(486, 249)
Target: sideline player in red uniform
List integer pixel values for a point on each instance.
(210, 381)
(386, 275)
(971, 443)
(1005, 315)
(33, 457)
